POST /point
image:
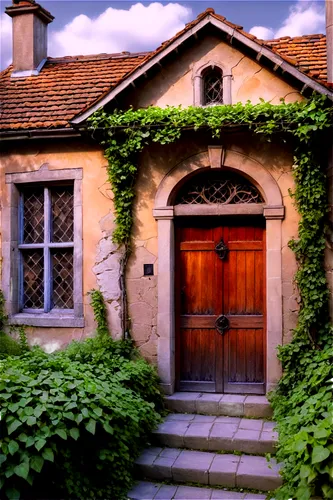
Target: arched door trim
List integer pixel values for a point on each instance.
(164, 212)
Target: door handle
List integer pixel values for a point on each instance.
(222, 324)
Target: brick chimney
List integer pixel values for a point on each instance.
(30, 22)
(329, 41)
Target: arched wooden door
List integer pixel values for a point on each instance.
(209, 285)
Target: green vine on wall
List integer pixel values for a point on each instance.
(301, 401)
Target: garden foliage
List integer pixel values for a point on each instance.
(73, 422)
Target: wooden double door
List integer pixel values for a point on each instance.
(220, 305)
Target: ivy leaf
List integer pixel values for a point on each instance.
(62, 433)
(13, 447)
(319, 454)
(31, 420)
(36, 463)
(75, 433)
(12, 493)
(91, 426)
(48, 454)
(13, 426)
(22, 470)
(108, 428)
(40, 443)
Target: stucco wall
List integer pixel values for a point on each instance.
(156, 162)
(100, 255)
(173, 85)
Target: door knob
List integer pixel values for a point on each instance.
(222, 324)
(221, 249)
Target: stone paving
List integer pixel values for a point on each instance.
(187, 440)
(203, 432)
(184, 466)
(232, 405)
(145, 490)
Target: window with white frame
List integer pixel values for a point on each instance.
(43, 265)
(46, 244)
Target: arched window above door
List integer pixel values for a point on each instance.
(212, 86)
(222, 188)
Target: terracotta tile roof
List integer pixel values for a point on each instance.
(67, 86)
(308, 53)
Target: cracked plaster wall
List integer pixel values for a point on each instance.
(100, 255)
(156, 162)
(173, 84)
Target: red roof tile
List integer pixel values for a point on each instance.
(67, 86)
(308, 53)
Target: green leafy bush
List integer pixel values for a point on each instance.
(303, 411)
(73, 422)
(303, 401)
(7, 344)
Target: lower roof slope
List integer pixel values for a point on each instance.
(65, 87)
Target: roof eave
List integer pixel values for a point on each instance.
(17, 135)
(261, 50)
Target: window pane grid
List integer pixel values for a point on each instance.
(47, 233)
(33, 216)
(62, 279)
(213, 87)
(33, 278)
(62, 214)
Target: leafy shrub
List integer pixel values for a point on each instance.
(7, 344)
(303, 410)
(73, 422)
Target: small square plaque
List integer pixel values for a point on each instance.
(148, 269)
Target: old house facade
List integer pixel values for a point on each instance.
(209, 282)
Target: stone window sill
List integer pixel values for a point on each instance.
(47, 320)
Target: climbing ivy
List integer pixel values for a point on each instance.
(301, 400)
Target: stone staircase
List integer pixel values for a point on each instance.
(217, 442)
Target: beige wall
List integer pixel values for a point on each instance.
(100, 255)
(173, 85)
(156, 162)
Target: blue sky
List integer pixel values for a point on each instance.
(88, 27)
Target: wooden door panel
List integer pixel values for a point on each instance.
(207, 287)
(197, 282)
(243, 361)
(197, 367)
(243, 294)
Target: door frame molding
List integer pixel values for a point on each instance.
(164, 212)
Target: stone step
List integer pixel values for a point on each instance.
(145, 490)
(230, 471)
(232, 405)
(203, 432)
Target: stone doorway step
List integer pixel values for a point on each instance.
(210, 448)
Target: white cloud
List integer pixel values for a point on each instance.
(305, 18)
(262, 32)
(5, 40)
(142, 27)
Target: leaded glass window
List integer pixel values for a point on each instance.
(218, 187)
(46, 248)
(213, 86)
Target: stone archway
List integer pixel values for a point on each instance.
(165, 212)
